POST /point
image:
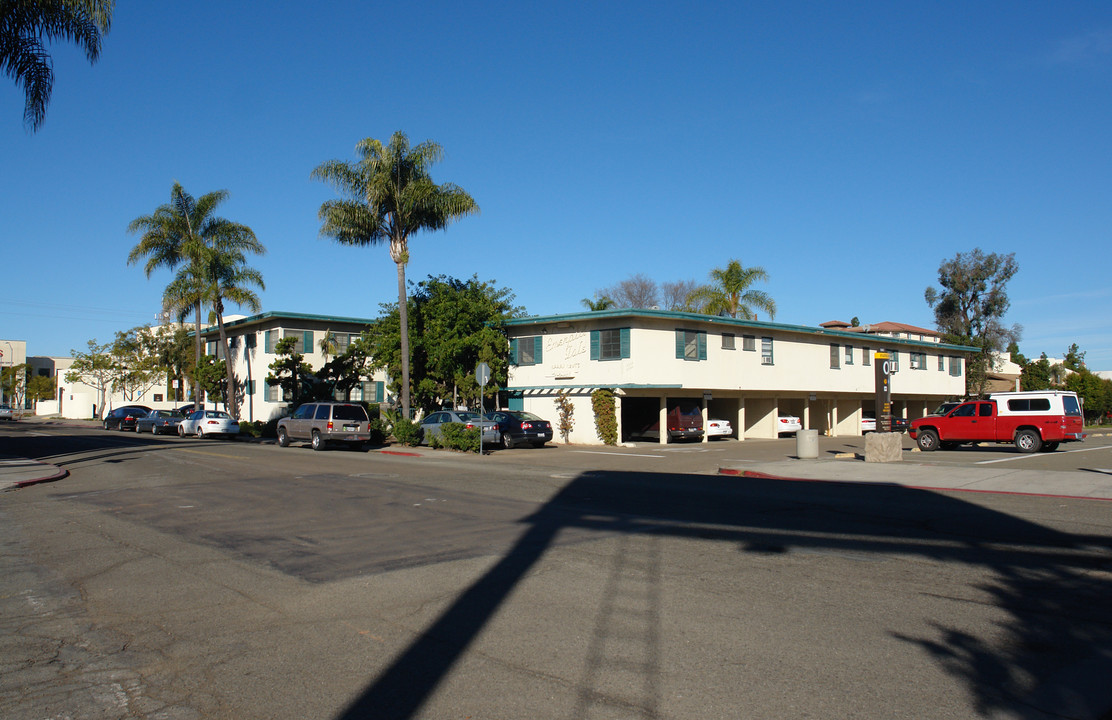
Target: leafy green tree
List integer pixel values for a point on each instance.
(174, 353)
(1093, 391)
(1074, 360)
(13, 381)
(41, 387)
(94, 368)
(1017, 357)
(346, 371)
(455, 325)
(25, 25)
(390, 195)
(135, 362)
(970, 307)
(212, 375)
(289, 370)
(209, 254)
(1036, 374)
(731, 292)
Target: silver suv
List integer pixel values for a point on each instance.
(323, 422)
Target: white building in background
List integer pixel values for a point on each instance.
(12, 353)
(252, 341)
(744, 371)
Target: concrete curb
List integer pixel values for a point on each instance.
(21, 472)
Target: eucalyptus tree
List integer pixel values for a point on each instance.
(24, 27)
(731, 292)
(181, 233)
(388, 196)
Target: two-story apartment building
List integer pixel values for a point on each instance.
(252, 341)
(745, 371)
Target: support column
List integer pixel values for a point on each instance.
(740, 419)
(834, 417)
(663, 413)
(618, 415)
(706, 418)
(806, 414)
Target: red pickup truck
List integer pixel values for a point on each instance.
(1033, 421)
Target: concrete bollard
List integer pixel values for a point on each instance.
(807, 444)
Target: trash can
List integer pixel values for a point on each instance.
(807, 444)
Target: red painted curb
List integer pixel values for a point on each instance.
(402, 454)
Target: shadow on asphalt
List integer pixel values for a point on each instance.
(1047, 581)
(1055, 587)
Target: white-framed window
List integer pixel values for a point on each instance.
(766, 351)
(849, 354)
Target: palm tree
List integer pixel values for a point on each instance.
(390, 196)
(221, 273)
(329, 345)
(730, 293)
(179, 233)
(599, 303)
(26, 24)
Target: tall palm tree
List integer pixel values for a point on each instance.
(329, 345)
(220, 272)
(26, 24)
(177, 234)
(730, 292)
(390, 196)
(599, 303)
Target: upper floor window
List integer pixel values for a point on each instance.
(766, 351)
(749, 343)
(249, 340)
(304, 340)
(866, 356)
(941, 363)
(691, 345)
(849, 354)
(526, 350)
(918, 361)
(270, 339)
(955, 366)
(728, 341)
(610, 344)
(835, 356)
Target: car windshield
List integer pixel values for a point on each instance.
(349, 412)
(524, 416)
(217, 414)
(163, 414)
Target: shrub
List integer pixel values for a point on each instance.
(407, 432)
(565, 410)
(457, 436)
(378, 431)
(606, 420)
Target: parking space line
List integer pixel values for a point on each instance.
(599, 452)
(1031, 455)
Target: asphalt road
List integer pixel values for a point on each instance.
(170, 578)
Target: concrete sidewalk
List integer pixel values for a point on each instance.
(1096, 485)
(17, 472)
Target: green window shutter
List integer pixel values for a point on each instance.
(625, 342)
(268, 342)
(538, 345)
(380, 391)
(513, 352)
(594, 345)
(308, 348)
(679, 344)
(702, 345)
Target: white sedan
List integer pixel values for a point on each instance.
(788, 424)
(719, 428)
(208, 422)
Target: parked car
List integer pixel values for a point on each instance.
(430, 426)
(945, 408)
(1033, 421)
(899, 424)
(123, 418)
(6, 412)
(516, 427)
(157, 422)
(208, 422)
(868, 424)
(685, 422)
(185, 410)
(322, 423)
(719, 428)
(788, 424)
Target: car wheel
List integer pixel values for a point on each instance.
(200, 433)
(1027, 441)
(283, 438)
(1049, 447)
(181, 431)
(318, 441)
(105, 424)
(136, 428)
(507, 441)
(928, 440)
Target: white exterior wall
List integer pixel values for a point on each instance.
(748, 393)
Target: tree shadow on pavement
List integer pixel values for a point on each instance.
(1054, 586)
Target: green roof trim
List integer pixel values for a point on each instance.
(263, 317)
(728, 323)
(584, 386)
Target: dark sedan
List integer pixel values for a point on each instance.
(159, 421)
(123, 418)
(517, 428)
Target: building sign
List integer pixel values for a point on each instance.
(882, 362)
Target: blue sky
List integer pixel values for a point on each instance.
(846, 148)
